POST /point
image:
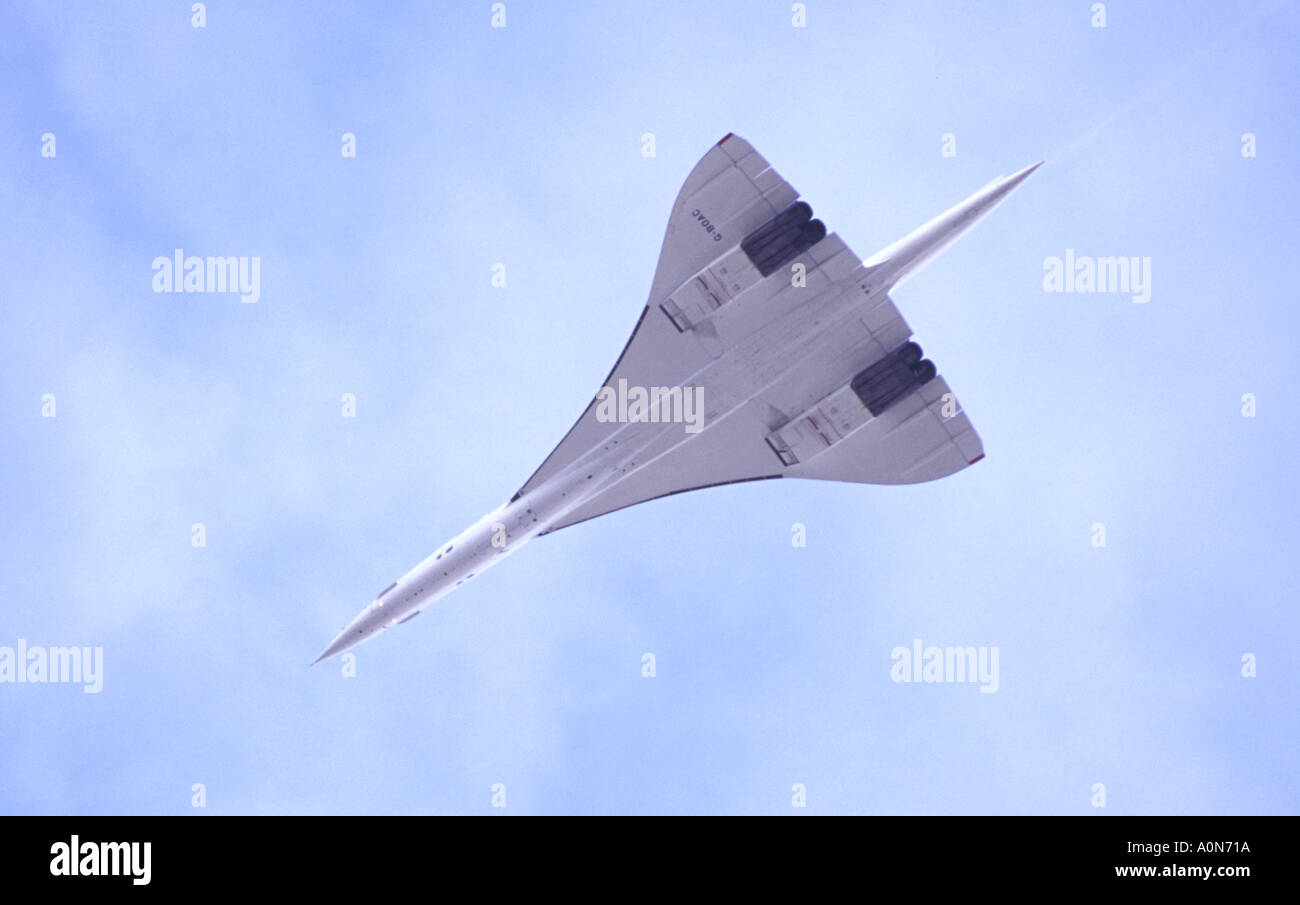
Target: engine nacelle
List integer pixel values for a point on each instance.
(895, 375)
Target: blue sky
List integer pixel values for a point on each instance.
(1118, 665)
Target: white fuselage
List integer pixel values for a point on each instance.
(510, 526)
(734, 378)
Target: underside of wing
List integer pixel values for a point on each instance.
(923, 436)
(729, 194)
(803, 364)
(854, 410)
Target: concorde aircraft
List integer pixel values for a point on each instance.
(767, 349)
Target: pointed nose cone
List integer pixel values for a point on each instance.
(355, 632)
(337, 646)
